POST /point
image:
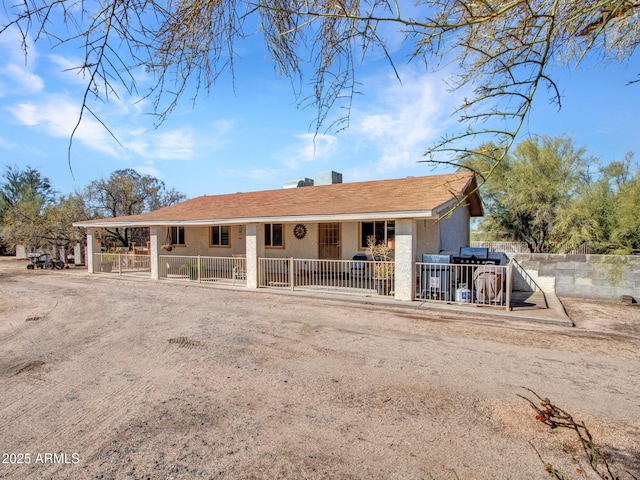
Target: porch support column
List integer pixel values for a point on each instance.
(78, 258)
(93, 246)
(405, 259)
(154, 252)
(252, 254)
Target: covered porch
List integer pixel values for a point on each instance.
(462, 284)
(315, 238)
(278, 255)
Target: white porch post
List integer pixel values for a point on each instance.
(77, 255)
(93, 246)
(251, 237)
(154, 251)
(405, 259)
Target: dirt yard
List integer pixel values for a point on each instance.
(105, 377)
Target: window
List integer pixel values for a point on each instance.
(220, 236)
(384, 232)
(273, 235)
(177, 235)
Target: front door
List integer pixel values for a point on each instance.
(329, 241)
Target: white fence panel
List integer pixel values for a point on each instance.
(226, 270)
(342, 276)
(122, 263)
(473, 284)
(500, 246)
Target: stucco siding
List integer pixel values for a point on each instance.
(350, 240)
(432, 236)
(197, 242)
(454, 231)
(306, 247)
(427, 238)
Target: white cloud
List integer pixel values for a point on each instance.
(407, 118)
(21, 79)
(13, 45)
(68, 66)
(57, 116)
(184, 143)
(17, 72)
(148, 170)
(217, 136)
(176, 144)
(138, 144)
(309, 148)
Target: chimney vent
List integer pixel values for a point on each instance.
(328, 177)
(299, 182)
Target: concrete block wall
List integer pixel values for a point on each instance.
(587, 276)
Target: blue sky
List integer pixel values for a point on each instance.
(251, 135)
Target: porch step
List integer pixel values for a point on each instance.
(548, 287)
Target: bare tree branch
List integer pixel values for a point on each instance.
(504, 50)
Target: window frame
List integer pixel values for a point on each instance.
(269, 236)
(220, 236)
(389, 226)
(177, 236)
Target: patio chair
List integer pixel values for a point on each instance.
(359, 265)
(239, 267)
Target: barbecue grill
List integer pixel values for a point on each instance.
(475, 256)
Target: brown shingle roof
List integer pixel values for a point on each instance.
(425, 196)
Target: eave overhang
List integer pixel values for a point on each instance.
(348, 217)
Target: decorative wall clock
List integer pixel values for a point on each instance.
(300, 231)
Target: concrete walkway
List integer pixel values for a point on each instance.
(526, 306)
(530, 306)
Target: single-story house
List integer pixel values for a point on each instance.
(324, 228)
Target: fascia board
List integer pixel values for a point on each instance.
(446, 207)
(347, 217)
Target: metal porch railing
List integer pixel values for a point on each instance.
(340, 276)
(122, 263)
(473, 284)
(226, 270)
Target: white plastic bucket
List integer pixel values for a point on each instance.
(463, 294)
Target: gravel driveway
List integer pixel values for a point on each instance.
(106, 377)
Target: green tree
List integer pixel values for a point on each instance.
(603, 213)
(25, 196)
(625, 236)
(587, 219)
(22, 185)
(126, 192)
(555, 197)
(506, 51)
(59, 218)
(527, 190)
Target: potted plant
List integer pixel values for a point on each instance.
(383, 266)
(192, 269)
(168, 243)
(107, 262)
